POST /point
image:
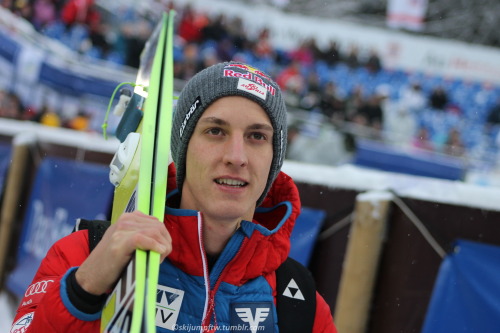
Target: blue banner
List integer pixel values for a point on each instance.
(75, 84)
(383, 157)
(9, 48)
(466, 296)
(5, 155)
(305, 233)
(63, 191)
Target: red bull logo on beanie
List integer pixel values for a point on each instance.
(231, 73)
(251, 74)
(251, 77)
(248, 69)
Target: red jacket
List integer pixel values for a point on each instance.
(45, 307)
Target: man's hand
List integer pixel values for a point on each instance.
(100, 271)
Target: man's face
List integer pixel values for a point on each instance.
(228, 160)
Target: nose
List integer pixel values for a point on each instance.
(235, 152)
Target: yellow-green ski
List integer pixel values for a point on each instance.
(160, 165)
(139, 171)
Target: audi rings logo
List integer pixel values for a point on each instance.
(38, 288)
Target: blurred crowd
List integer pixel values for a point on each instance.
(346, 85)
(11, 107)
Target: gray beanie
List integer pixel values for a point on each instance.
(221, 80)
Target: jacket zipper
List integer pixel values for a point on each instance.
(209, 308)
(206, 278)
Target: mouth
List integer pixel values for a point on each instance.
(231, 182)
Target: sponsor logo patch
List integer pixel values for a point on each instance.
(252, 76)
(252, 88)
(39, 287)
(35, 292)
(252, 317)
(196, 104)
(292, 290)
(22, 324)
(168, 305)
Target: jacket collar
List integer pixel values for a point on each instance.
(257, 248)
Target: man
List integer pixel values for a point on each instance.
(220, 249)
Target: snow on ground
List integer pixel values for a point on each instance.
(416, 187)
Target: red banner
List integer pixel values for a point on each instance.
(406, 14)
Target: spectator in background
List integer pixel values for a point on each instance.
(190, 63)
(98, 40)
(10, 105)
(79, 123)
(291, 74)
(312, 91)
(48, 117)
(225, 49)
(313, 82)
(263, 48)
(309, 101)
(412, 100)
(209, 57)
(292, 83)
(82, 20)
(372, 111)
(44, 13)
(317, 53)
(135, 33)
(354, 101)
(303, 54)
(352, 58)
(293, 94)
(399, 122)
(454, 145)
(293, 133)
(422, 139)
(81, 12)
(492, 125)
(438, 98)
(190, 26)
(332, 54)
(373, 63)
(21, 8)
(236, 32)
(494, 114)
(331, 104)
(215, 29)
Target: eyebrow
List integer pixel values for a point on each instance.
(213, 120)
(264, 127)
(222, 122)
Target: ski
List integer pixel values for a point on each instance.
(139, 172)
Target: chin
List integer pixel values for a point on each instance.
(227, 211)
